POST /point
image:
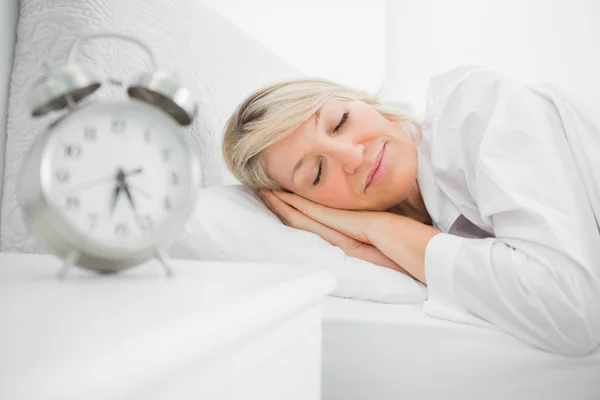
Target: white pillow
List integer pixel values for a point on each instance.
(232, 224)
(219, 62)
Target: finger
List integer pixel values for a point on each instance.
(305, 206)
(298, 202)
(299, 220)
(350, 223)
(267, 203)
(262, 197)
(278, 207)
(295, 218)
(332, 217)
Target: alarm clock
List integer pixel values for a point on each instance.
(109, 184)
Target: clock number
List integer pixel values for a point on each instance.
(62, 175)
(89, 134)
(72, 151)
(174, 179)
(72, 203)
(121, 230)
(165, 154)
(118, 126)
(93, 221)
(168, 204)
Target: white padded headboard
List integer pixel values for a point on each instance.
(218, 61)
(9, 13)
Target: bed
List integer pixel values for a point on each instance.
(370, 350)
(393, 351)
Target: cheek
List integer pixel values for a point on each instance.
(335, 196)
(406, 169)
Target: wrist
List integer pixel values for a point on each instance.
(375, 222)
(403, 240)
(373, 255)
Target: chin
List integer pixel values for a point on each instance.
(394, 189)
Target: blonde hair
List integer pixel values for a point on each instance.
(273, 112)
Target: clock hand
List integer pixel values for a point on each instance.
(116, 193)
(128, 194)
(136, 171)
(136, 215)
(88, 185)
(120, 176)
(124, 185)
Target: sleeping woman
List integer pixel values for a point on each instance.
(492, 201)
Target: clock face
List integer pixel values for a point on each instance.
(118, 173)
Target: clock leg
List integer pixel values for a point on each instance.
(162, 259)
(69, 260)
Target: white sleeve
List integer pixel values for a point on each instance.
(538, 278)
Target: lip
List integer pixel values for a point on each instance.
(377, 172)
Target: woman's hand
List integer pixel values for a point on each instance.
(293, 215)
(354, 224)
(295, 218)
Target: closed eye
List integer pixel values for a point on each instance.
(319, 173)
(335, 130)
(341, 123)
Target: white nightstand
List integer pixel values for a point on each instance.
(213, 331)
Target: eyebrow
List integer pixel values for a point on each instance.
(299, 163)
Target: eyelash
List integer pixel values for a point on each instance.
(342, 122)
(319, 173)
(337, 128)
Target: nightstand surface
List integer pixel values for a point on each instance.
(208, 331)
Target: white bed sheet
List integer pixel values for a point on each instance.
(393, 351)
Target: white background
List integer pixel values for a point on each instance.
(399, 44)
(343, 40)
(554, 41)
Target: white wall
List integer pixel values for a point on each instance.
(531, 40)
(341, 40)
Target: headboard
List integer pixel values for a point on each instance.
(9, 13)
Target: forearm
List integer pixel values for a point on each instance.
(373, 255)
(402, 240)
(537, 293)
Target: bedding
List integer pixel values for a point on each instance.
(231, 224)
(394, 351)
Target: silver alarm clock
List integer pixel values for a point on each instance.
(109, 184)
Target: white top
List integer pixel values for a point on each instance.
(521, 247)
(96, 336)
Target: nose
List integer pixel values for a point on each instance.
(350, 155)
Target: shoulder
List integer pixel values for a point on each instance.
(465, 90)
(446, 83)
(460, 106)
(470, 104)
(479, 119)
